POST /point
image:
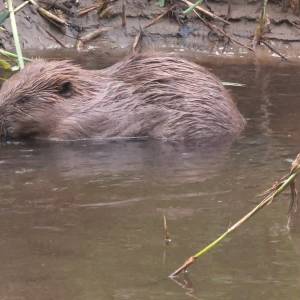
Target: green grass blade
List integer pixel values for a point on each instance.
(15, 34)
(192, 7)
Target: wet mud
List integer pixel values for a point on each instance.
(116, 24)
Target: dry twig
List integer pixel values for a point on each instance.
(86, 10)
(124, 21)
(167, 237)
(206, 12)
(136, 41)
(90, 36)
(219, 30)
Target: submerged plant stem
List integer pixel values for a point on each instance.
(275, 191)
(166, 231)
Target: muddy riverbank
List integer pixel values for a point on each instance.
(172, 30)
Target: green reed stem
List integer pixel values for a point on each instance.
(15, 34)
(192, 7)
(281, 186)
(12, 55)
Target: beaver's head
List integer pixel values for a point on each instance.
(36, 99)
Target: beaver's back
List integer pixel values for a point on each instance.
(173, 98)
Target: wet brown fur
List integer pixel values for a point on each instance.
(154, 96)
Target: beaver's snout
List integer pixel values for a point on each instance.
(156, 96)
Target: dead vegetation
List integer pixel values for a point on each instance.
(68, 23)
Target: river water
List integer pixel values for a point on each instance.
(84, 220)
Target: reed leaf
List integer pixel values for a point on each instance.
(274, 191)
(15, 34)
(192, 7)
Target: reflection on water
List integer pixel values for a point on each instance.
(83, 220)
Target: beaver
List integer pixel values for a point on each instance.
(154, 96)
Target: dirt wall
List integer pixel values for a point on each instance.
(174, 29)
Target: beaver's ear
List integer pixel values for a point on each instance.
(66, 89)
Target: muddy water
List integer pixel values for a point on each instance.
(83, 220)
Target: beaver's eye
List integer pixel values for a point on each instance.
(66, 89)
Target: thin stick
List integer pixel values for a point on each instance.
(159, 17)
(166, 232)
(50, 16)
(15, 34)
(274, 191)
(216, 29)
(56, 39)
(228, 83)
(273, 50)
(90, 36)
(10, 54)
(5, 13)
(86, 10)
(261, 25)
(21, 6)
(45, 13)
(191, 7)
(206, 12)
(136, 41)
(124, 21)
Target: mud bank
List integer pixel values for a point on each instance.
(173, 30)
